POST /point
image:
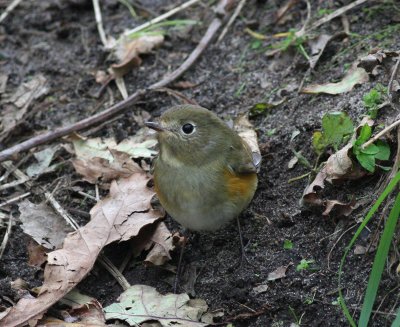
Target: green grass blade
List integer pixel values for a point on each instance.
(379, 263)
(129, 6)
(367, 218)
(396, 322)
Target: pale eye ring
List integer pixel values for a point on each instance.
(188, 128)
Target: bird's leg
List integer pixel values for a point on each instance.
(186, 235)
(242, 248)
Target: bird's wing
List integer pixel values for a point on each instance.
(242, 160)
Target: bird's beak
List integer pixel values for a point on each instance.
(157, 127)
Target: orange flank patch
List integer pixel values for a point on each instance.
(242, 185)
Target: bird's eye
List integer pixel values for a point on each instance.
(188, 128)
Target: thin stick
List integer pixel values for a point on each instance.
(91, 197)
(99, 22)
(206, 39)
(232, 19)
(12, 184)
(16, 199)
(109, 266)
(302, 31)
(6, 236)
(9, 9)
(392, 77)
(62, 131)
(162, 17)
(381, 133)
(335, 14)
(60, 210)
(103, 260)
(120, 106)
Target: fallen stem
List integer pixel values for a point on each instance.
(392, 77)
(294, 179)
(6, 236)
(9, 9)
(232, 19)
(335, 14)
(99, 22)
(162, 17)
(120, 106)
(381, 133)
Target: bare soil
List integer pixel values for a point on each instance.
(59, 39)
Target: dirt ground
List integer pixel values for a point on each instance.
(59, 39)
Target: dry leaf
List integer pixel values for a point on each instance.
(105, 160)
(43, 159)
(141, 303)
(16, 106)
(119, 216)
(260, 289)
(246, 131)
(37, 254)
(338, 167)
(339, 208)
(99, 169)
(379, 57)
(128, 51)
(163, 245)
(41, 223)
(319, 44)
(353, 77)
(278, 273)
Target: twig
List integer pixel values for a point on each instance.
(162, 17)
(91, 197)
(392, 77)
(16, 199)
(99, 23)
(120, 106)
(13, 184)
(104, 261)
(9, 9)
(212, 29)
(63, 131)
(335, 14)
(9, 172)
(17, 173)
(381, 133)
(232, 19)
(109, 266)
(96, 189)
(6, 236)
(302, 31)
(60, 210)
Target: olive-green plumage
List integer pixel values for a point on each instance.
(204, 175)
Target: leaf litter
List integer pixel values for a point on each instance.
(353, 77)
(41, 223)
(15, 107)
(341, 166)
(141, 303)
(118, 217)
(104, 160)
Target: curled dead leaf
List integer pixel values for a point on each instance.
(128, 51)
(354, 76)
(339, 167)
(246, 131)
(163, 245)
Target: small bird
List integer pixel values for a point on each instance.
(205, 174)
